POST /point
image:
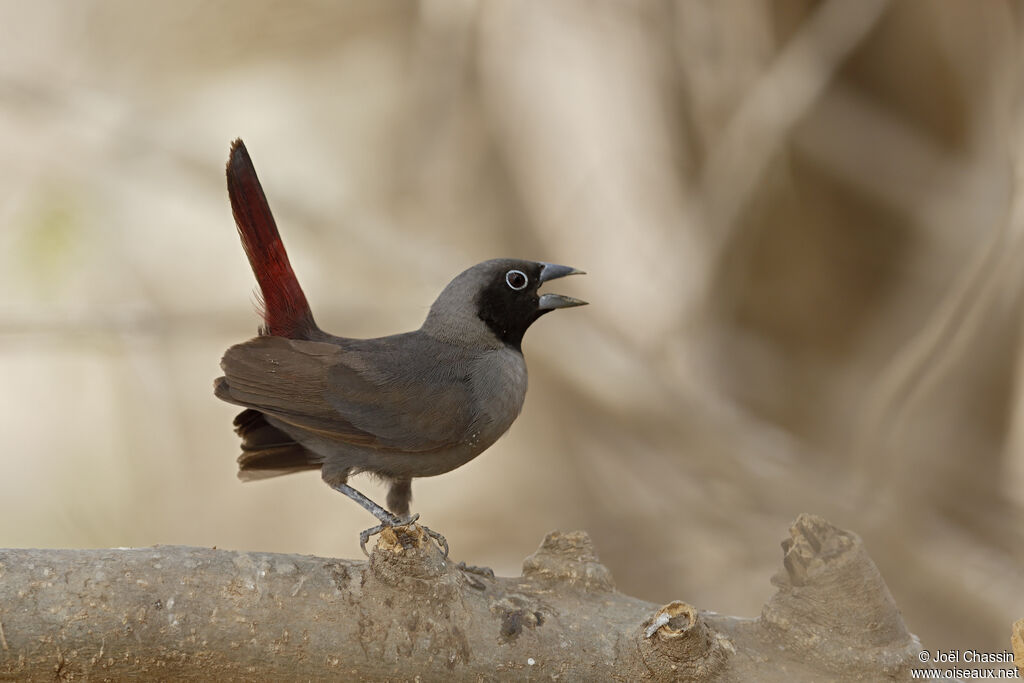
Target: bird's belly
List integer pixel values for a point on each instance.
(393, 463)
(426, 464)
(498, 389)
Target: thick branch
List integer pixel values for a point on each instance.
(192, 613)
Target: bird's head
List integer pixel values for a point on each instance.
(496, 301)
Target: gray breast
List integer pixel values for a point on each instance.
(498, 381)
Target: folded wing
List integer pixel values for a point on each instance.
(361, 393)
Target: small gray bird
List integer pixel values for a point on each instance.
(409, 405)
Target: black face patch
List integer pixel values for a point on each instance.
(508, 312)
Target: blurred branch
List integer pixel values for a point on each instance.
(191, 614)
(992, 273)
(983, 291)
(920, 178)
(721, 49)
(780, 97)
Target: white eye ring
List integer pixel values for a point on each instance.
(513, 276)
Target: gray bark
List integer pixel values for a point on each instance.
(181, 613)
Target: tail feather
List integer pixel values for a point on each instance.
(284, 307)
(267, 451)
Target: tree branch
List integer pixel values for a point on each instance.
(192, 613)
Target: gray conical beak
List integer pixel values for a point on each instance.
(551, 271)
(549, 302)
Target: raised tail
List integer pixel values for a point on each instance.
(284, 307)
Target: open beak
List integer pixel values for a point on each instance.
(549, 302)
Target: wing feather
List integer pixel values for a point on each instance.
(392, 394)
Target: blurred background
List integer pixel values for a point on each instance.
(801, 221)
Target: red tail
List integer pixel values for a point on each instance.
(284, 308)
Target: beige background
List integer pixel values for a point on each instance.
(801, 222)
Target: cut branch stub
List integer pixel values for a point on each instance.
(568, 558)
(406, 557)
(832, 603)
(678, 643)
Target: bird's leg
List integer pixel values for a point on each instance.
(385, 517)
(399, 496)
(387, 520)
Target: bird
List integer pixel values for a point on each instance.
(400, 407)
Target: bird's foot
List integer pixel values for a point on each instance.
(398, 522)
(468, 570)
(390, 522)
(485, 572)
(364, 536)
(441, 541)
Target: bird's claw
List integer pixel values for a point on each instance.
(485, 572)
(469, 569)
(441, 541)
(396, 522)
(411, 519)
(364, 536)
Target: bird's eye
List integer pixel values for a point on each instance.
(516, 279)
